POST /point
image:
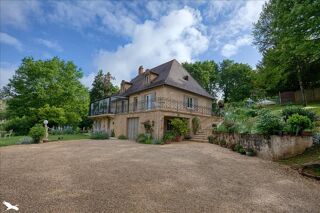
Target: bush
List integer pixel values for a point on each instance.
(25, 140)
(237, 147)
(316, 138)
(144, 138)
(289, 111)
(157, 142)
(20, 126)
(99, 135)
(195, 124)
(242, 151)
(297, 123)
(180, 126)
(223, 143)
(122, 137)
(269, 124)
(250, 152)
(37, 132)
(211, 139)
(168, 137)
(112, 133)
(187, 137)
(62, 131)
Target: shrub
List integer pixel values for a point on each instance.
(316, 138)
(62, 131)
(168, 136)
(289, 111)
(297, 123)
(37, 133)
(25, 140)
(223, 143)
(20, 126)
(157, 142)
(180, 126)
(195, 124)
(112, 133)
(122, 137)
(250, 152)
(237, 147)
(144, 138)
(187, 137)
(148, 126)
(221, 128)
(211, 139)
(242, 151)
(269, 124)
(99, 135)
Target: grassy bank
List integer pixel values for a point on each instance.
(12, 140)
(312, 154)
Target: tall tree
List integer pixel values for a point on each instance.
(102, 86)
(44, 88)
(236, 80)
(206, 73)
(290, 30)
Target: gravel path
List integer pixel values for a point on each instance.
(123, 176)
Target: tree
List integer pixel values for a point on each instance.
(47, 89)
(205, 72)
(289, 29)
(236, 80)
(102, 86)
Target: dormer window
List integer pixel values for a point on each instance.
(186, 77)
(147, 79)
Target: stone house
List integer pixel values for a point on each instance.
(156, 96)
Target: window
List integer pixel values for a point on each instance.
(135, 103)
(148, 99)
(190, 103)
(147, 79)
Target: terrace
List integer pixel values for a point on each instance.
(121, 105)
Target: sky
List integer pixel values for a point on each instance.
(119, 36)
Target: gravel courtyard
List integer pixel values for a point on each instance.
(123, 176)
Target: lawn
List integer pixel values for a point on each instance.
(12, 140)
(315, 107)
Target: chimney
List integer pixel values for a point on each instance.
(140, 70)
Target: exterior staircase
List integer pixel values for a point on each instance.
(200, 137)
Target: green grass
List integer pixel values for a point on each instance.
(311, 154)
(12, 140)
(315, 107)
(9, 141)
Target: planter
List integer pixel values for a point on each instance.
(178, 138)
(306, 133)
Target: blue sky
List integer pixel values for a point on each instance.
(118, 36)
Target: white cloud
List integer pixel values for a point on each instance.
(176, 35)
(50, 44)
(10, 40)
(87, 80)
(7, 70)
(17, 13)
(231, 49)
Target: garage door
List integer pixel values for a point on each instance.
(133, 125)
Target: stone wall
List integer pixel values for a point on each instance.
(270, 148)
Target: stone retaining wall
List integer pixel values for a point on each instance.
(270, 148)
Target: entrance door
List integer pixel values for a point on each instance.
(133, 128)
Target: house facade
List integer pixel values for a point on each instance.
(156, 96)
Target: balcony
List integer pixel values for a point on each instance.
(122, 106)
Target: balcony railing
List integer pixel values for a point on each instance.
(123, 106)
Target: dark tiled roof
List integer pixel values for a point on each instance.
(170, 73)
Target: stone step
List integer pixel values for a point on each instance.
(199, 140)
(197, 137)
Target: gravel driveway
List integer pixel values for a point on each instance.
(123, 176)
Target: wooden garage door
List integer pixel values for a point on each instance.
(133, 125)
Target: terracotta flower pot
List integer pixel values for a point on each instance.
(178, 138)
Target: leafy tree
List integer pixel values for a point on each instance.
(236, 80)
(205, 72)
(48, 89)
(102, 86)
(289, 30)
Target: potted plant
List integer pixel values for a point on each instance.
(180, 128)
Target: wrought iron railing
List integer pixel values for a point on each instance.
(123, 106)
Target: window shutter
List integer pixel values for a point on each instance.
(185, 101)
(195, 103)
